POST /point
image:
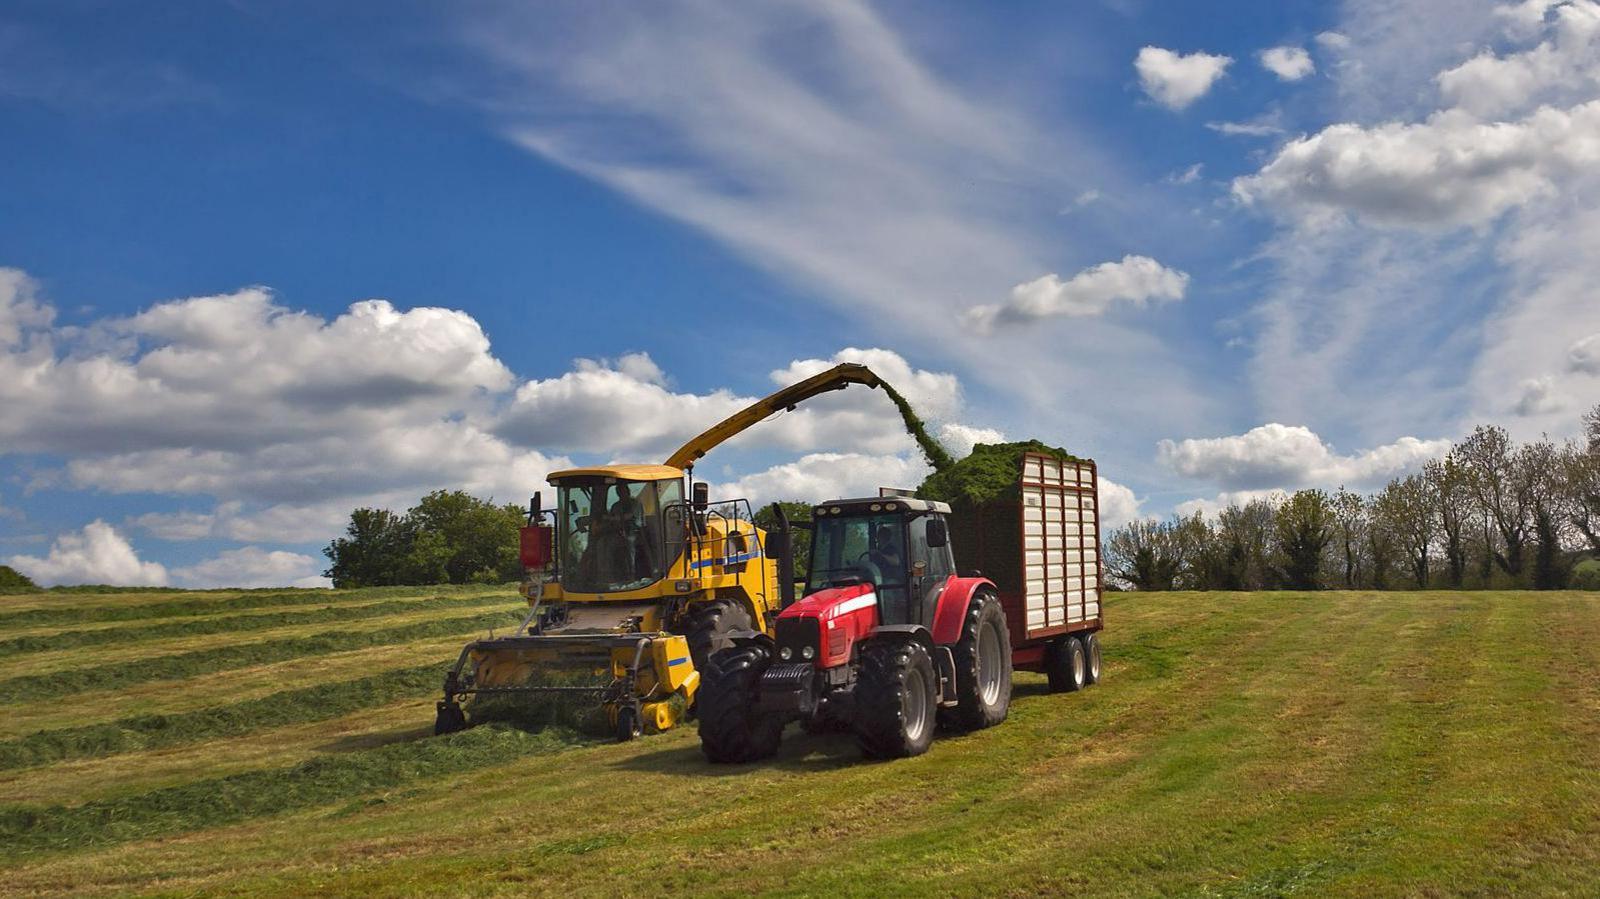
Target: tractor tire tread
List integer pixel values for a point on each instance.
(731, 730)
(971, 713)
(880, 692)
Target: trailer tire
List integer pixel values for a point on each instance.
(983, 668)
(706, 627)
(895, 702)
(731, 729)
(1065, 665)
(1091, 658)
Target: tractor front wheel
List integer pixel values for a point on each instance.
(895, 699)
(983, 668)
(732, 729)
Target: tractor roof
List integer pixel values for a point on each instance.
(621, 472)
(891, 503)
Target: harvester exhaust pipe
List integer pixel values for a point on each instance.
(780, 543)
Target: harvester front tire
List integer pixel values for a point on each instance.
(449, 719)
(983, 668)
(707, 625)
(732, 730)
(895, 701)
(1091, 655)
(1066, 665)
(628, 725)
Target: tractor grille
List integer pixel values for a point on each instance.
(785, 678)
(795, 634)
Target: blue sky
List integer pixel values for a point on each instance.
(1223, 248)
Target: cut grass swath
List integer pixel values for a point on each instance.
(25, 830)
(188, 664)
(235, 624)
(142, 732)
(80, 614)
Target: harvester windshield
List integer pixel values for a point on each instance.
(612, 532)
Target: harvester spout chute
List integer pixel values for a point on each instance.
(835, 378)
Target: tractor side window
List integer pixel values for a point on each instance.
(938, 564)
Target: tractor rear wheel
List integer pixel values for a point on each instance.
(895, 699)
(706, 627)
(983, 668)
(731, 728)
(1091, 654)
(1066, 665)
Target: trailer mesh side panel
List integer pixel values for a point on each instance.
(1040, 545)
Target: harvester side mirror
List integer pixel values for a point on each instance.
(777, 543)
(702, 496)
(938, 533)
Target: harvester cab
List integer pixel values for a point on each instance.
(633, 580)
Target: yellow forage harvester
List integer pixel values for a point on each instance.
(633, 580)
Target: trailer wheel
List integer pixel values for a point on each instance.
(1066, 665)
(731, 728)
(983, 668)
(706, 627)
(1091, 652)
(895, 703)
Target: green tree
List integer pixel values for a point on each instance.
(14, 580)
(800, 540)
(375, 551)
(473, 540)
(1146, 554)
(1304, 528)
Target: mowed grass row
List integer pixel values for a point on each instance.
(32, 609)
(158, 731)
(216, 801)
(228, 654)
(111, 651)
(1265, 744)
(142, 771)
(219, 688)
(122, 636)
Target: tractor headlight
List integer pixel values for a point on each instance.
(808, 653)
(786, 653)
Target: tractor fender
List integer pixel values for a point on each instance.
(951, 613)
(915, 631)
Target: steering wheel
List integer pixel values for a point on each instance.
(873, 574)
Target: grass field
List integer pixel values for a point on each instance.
(1241, 745)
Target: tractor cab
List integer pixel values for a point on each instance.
(614, 526)
(898, 545)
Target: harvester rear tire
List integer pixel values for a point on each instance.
(983, 668)
(732, 730)
(706, 627)
(1065, 665)
(895, 699)
(1091, 653)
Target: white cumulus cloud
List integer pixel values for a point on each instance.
(1288, 63)
(253, 566)
(1134, 280)
(1176, 80)
(95, 555)
(1275, 456)
(1584, 356)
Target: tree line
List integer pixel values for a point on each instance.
(448, 537)
(1491, 513)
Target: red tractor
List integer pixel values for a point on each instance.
(890, 641)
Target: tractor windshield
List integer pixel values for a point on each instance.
(869, 547)
(611, 533)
